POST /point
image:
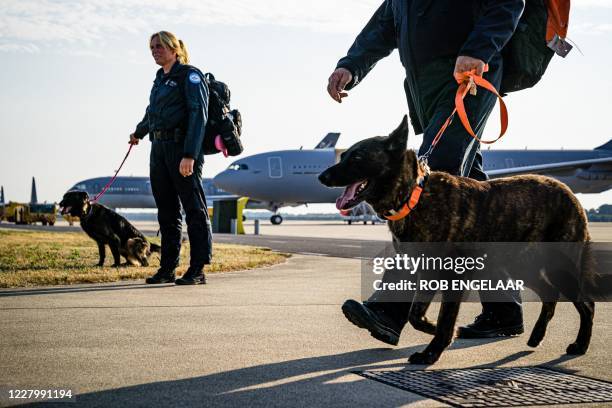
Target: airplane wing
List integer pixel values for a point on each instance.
(548, 168)
(329, 141)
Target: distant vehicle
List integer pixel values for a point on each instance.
(43, 213)
(289, 177)
(363, 212)
(21, 213)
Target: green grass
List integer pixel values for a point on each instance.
(33, 258)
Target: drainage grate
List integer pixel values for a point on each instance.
(497, 387)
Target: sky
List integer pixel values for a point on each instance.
(76, 77)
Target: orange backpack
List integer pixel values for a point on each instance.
(540, 34)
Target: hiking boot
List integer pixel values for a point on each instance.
(193, 276)
(162, 276)
(486, 325)
(380, 326)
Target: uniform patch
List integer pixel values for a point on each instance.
(194, 78)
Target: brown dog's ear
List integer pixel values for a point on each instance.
(398, 139)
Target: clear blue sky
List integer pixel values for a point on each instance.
(77, 75)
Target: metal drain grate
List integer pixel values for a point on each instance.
(497, 387)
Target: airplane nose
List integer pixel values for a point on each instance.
(225, 182)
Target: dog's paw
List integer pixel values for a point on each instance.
(576, 349)
(423, 357)
(116, 265)
(100, 264)
(535, 339)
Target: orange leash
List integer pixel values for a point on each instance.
(468, 81)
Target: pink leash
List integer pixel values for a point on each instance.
(112, 180)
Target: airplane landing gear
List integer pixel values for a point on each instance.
(276, 219)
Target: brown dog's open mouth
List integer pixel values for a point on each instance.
(65, 210)
(351, 196)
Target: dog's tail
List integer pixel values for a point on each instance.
(155, 248)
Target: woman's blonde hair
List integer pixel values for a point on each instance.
(171, 42)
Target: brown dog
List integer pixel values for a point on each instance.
(526, 208)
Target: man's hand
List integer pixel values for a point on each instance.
(336, 83)
(133, 139)
(186, 167)
(468, 64)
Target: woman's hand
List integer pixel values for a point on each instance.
(133, 139)
(186, 167)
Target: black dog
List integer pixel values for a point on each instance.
(525, 208)
(107, 227)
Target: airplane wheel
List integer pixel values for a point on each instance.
(276, 219)
(350, 222)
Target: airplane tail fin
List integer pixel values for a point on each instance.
(33, 195)
(2, 195)
(605, 146)
(329, 141)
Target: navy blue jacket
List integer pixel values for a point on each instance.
(179, 99)
(425, 30)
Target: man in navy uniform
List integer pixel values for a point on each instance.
(436, 39)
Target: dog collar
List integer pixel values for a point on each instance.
(88, 212)
(413, 200)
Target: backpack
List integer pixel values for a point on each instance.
(221, 119)
(539, 35)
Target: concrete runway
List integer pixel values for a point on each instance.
(268, 337)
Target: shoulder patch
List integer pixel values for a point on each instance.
(194, 78)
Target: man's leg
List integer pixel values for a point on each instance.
(168, 213)
(497, 318)
(459, 153)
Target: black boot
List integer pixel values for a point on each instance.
(487, 325)
(162, 276)
(380, 326)
(193, 276)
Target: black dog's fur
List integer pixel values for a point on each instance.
(107, 227)
(524, 208)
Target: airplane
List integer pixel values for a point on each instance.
(289, 177)
(135, 192)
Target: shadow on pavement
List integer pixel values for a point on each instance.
(318, 381)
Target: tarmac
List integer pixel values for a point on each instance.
(268, 337)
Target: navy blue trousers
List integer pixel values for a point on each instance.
(171, 191)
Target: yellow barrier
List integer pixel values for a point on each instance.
(241, 205)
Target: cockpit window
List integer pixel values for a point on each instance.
(238, 166)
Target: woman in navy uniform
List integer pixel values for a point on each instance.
(175, 121)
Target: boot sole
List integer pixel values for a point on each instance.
(186, 283)
(503, 332)
(377, 330)
(149, 282)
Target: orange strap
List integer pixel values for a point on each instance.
(412, 201)
(466, 81)
(407, 207)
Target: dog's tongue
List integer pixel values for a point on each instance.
(348, 195)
